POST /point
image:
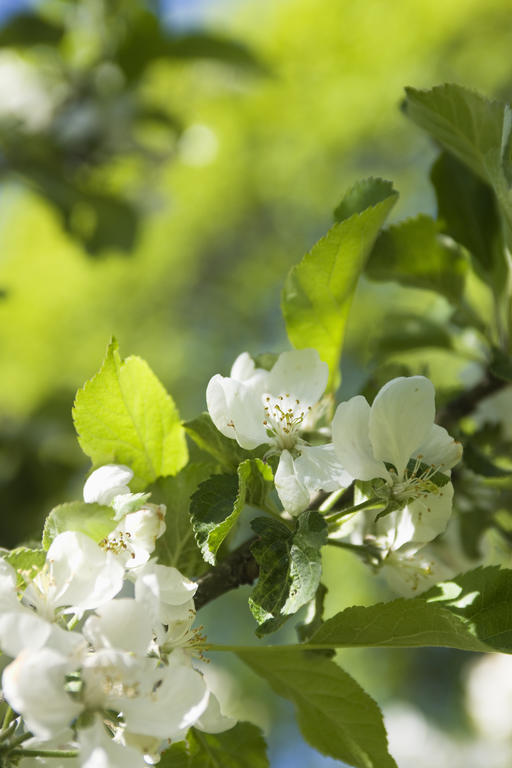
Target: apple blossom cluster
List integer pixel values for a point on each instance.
(103, 651)
(393, 453)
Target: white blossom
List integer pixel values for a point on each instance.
(396, 442)
(256, 407)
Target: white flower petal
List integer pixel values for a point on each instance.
(99, 750)
(106, 482)
(319, 468)
(439, 449)
(410, 575)
(124, 624)
(212, 720)
(401, 418)
(244, 369)
(172, 708)
(292, 492)
(236, 411)
(301, 373)
(33, 684)
(83, 574)
(350, 434)
(430, 514)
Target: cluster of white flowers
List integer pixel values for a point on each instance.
(101, 640)
(401, 458)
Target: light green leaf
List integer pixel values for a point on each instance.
(415, 254)
(290, 567)
(124, 415)
(334, 713)
(475, 130)
(241, 747)
(177, 546)
(318, 291)
(92, 519)
(225, 451)
(26, 561)
(216, 505)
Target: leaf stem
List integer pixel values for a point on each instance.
(44, 752)
(331, 500)
(373, 502)
(8, 716)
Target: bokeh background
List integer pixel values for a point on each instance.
(162, 165)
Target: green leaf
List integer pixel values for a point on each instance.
(318, 291)
(482, 600)
(415, 254)
(177, 546)
(290, 567)
(94, 520)
(314, 618)
(26, 561)
(124, 415)
(216, 505)
(225, 451)
(334, 713)
(466, 207)
(365, 193)
(27, 29)
(241, 747)
(472, 612)
(401, 623)
(475, 130)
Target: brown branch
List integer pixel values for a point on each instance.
(238, 568)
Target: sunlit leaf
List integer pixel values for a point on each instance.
(124, 415)
(318, 291)
(94, 520)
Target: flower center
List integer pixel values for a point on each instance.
(419, 479)
(284, 416)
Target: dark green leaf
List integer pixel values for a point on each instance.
(216, 505)
(290, 567)
(177, 547)
(482, 599)
(334, 713)
(400, 623)
(225, 451)
(241, 747)
(501, 365)
(467, 210)
(318, 291)
(27, 29)
(92, 519)
(364, 194)
(475, 130)
(415, 254)
(314, 618)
